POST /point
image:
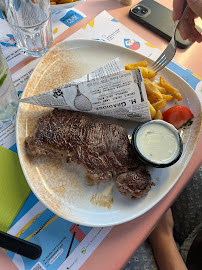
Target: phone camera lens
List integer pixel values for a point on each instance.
(140, 10)
(144, 10)
(136, 10)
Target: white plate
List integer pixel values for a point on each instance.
(62, 187)
(66, 6)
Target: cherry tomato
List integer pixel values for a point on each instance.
(177, 116)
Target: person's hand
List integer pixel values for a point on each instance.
(187, 27)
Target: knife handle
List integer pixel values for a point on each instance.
(20, 246)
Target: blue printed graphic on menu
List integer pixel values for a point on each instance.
(65, 236)
(71, 18)
(8, 41)
(114, 20)
(13, 148)
(17, 4)
(98, 39)
(184, 74)
(1, 16)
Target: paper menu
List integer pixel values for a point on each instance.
(58, 250)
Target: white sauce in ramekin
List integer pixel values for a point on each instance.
(158, 141)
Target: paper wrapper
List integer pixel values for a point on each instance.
(108, 91)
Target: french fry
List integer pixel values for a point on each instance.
(158, 115)
(157, 95)
(160, 88)
(170, 89)
(159, 104)
(64, 1)
(55, 2)
(151, 109)
(147, 73)
(167, 97)
(178, 96)
(135, 66)
(151, 90)
(152, 99)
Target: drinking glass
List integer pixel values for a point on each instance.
(30, 23)
(8, 95)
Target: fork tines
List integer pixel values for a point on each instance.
(160, 63)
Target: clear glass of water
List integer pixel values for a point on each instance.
(8, 95)
(30, 23)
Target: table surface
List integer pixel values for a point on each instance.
(119, 245)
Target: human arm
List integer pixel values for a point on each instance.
(163, 245)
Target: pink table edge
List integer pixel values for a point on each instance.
(5, 262)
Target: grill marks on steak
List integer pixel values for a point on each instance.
(102, 148)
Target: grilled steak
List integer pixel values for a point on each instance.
(136, 183)
(102, 148)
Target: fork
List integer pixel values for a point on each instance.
(169, 52)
